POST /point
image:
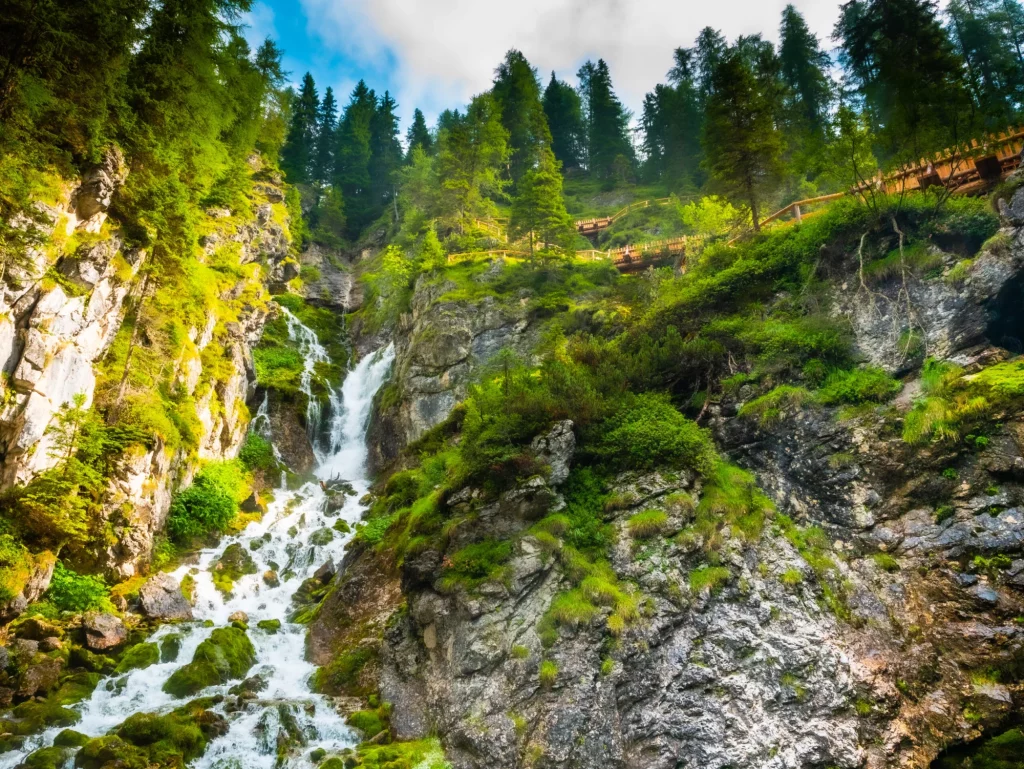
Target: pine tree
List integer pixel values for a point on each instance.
(418, 136)
(517, 94)
(708, 52)
(906, 70)
(803, 68)
(385, 153)
(538, 209)
(327, 119)
(988, 56)
(352, 157)
(300, 145)
(607, 122)
(671, 124)
(565, 120)
(742, 144)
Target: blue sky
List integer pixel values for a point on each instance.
(435, 54)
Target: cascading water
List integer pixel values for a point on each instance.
(286, 705)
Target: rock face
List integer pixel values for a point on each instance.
(439, 345)
(161, 598)
(103, 631)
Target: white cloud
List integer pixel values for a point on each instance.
(441, 52)
(259, 24)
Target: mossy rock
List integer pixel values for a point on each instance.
(33, 716)
(48, 758)
(342, 526)
(77, 687)
(234, 563)
(110, 751)
(321, 537)
(369, 722)
(69, 738)
(140, 656)
(226, 655)
(170, 647)
(81, 657)
(269, 625)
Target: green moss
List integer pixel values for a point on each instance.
(369, 722)
(886, 562)
(48, 758)
(792, 577)
(343, 674)
(235, 562)
(226, 655)
(477, 563)
(139, 656)
(269, 625)
(421, 754)
(999, 751)
(862, 385)
(170, 647)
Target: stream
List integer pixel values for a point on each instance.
(286, 703)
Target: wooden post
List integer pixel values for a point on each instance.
(796, 213)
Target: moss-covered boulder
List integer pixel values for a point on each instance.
(234, 562)
(48, 758)
(69, 738)
(269, 625)
(170, 647)
(226, 655)
(147, 740)
(139, 656)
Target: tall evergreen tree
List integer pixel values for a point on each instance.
(741, 141)
(908, 74)
(607, 122)
(418, 137)
(565, 120)
(352, 157)
(538, 209)
(517, 94)
(385, 152)
(804, 68)
(298, 152)
(988, 57)
(327, 120)
(671, 124)
(708, 52)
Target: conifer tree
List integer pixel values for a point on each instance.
(607, 122)
(742, 144)
(327, 119)
(671, 124)
(988, 57)
(352, 157)
(385, 153)
(418, 137)
(300, 145)
(517, 94)
(538, 209)
(908, 74)
(565, 120)
(803, 69)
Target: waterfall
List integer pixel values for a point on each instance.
(284, 535)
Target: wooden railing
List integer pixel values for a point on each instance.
(587, 226)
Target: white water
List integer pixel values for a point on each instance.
(290, 520)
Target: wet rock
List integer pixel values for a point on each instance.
(103, 631)
(170, 647)
(38, 628)
(253, 504)
(556, 449)
(51, 644)
(40, 677)
(161, 598)
(238, 616)
(985, 594)
(269, 625)
(119, 602)
(227, 654)
(235, 562)
(271, 579)
(139, 656)
(326, 572)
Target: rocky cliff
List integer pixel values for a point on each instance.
(863, 612)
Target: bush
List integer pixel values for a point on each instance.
(863, 385)
(70, 591)
(548, 673)
(477, 563)
(210, 503)
(257, 453)
(649, 432)
(774, 406)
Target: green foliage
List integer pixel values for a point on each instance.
(69, 591)
(862, 385)
(226, 655)
(476, 563)
(647, 432)
(548, 673)
(999, 751)
(139, 656)
(210, 503)
(257, 453)
(421, 754)
(776, 405)
(709, 577)
(538, 210)
(886, 562)
(730, 497)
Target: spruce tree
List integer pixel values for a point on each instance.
(517, 94)
(327, 119)
(538, 209)
(418, 137)
(671, 124)
(988, 57)
(385, 152)
(300, 144)
(352, 157)
(803, 68)
(742, 144)
(565, 120)
(607, 122)
(906, 70)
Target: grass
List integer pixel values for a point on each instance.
(776, 405)
(886, 562)
(648, 524)
(792, 577)
(548, 674)
(710, 578)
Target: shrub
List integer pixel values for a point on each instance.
(710, 577)
(257, 453)
(572, 608)
(775, 405)
(477, 563)
(647, 524)
(649, 432)
(210, 503)
(863, 385)
(69, 591)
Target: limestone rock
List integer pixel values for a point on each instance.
(161, 598)
(556, 449)
(103, 631)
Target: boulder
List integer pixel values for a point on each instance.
(98, 186)
(103, 631)
(161, 598)
(239, 616)
(40, 677)
(270, 578)
(226, 655)
(326, 572)
(556, 449)
(253, 504)
(37, 628)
